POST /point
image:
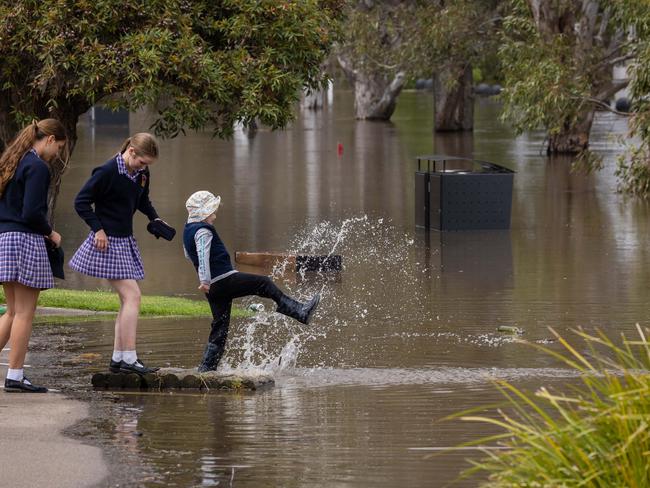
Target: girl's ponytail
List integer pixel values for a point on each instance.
(145, 144)
(23, 142)
(125, 145)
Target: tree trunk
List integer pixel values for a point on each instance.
(586, 25)
(573, 139)
(313, 100)
(8, 126)
(67, 112)
(375, 95)
(453, 99)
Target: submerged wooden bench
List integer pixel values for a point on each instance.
(177, 378)
(295, 262)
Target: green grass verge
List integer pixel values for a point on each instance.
(103, 301)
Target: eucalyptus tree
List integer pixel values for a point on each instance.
(558, 58)
(372, 53)
(204, 63)
(634, 165)
(387, 42)
(454, 36)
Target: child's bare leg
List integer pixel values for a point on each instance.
(25, 299)
(117, 342)
(126, 325)
(8, 317)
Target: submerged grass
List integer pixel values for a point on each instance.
(598, 435)
(103, 301)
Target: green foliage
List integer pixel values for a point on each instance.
(377, 36)
(634, 167)
(558, 64)
(489, 63)
(103, 301)
(455, 34)
(205, 63)
(477, 75)
(587, 162)
(418, 36)
(633, 171)
(598, 435)
(546, 86)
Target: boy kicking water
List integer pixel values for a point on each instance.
(221, 282)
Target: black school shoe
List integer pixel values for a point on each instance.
(114, 366)
(22, 386)
(137, 368)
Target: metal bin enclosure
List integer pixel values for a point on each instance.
(453, 193)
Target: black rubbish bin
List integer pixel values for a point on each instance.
(454, 193)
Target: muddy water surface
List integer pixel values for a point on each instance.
(405, 335)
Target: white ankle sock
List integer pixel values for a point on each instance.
(129, 357)
(15, 374)
(117, 356)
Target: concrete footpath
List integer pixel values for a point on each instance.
(33, 450)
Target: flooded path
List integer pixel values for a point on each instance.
(405, 335)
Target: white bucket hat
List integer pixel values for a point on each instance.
(201, 205)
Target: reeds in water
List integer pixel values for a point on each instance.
(596, 435)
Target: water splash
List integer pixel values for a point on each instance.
(379, 302)
(375, 256)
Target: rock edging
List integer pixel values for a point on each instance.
(178, 378)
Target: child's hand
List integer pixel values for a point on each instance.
(101, 240)
(55, 237)
(204, 287)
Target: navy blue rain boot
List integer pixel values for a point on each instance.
(211, 357)
(302, 312)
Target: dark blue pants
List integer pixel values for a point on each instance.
(223, 292)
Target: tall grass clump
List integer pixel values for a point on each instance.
(594, 435)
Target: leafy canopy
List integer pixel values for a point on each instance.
(417, 36)
(552, 70)
(634, 168)
(202, 63)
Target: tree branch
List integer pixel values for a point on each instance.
(587, 23)
(604, 21)
(346, 66)
(397, 83)
(603, 105)
(605, 59)
(620, 59)
(611, 91)
(382, 65)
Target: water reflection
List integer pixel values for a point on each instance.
(480, 261)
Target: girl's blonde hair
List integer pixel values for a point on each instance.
(23, 142)
(144, 144)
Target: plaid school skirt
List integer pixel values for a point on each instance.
(23, 259)
(121, 261)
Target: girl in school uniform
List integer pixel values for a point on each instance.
(116, 190)
(24, 267)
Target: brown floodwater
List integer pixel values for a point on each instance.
(405, 334)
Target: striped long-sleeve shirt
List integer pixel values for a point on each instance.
(203, 241)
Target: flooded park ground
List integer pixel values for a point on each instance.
(405, 335)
